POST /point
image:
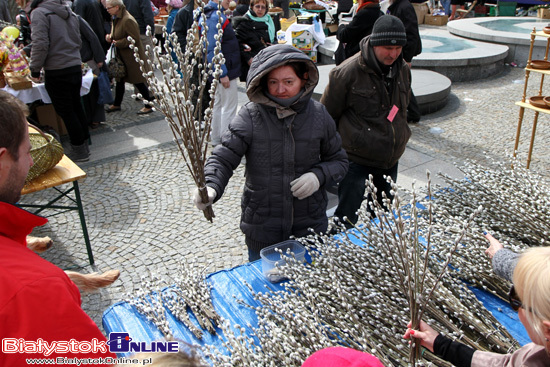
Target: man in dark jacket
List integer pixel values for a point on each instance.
(368, 97)
(226, 101)
(91, 12)
(183, 22)
(360, 26)
(143, 14)
(404, 10)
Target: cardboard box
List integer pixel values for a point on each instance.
(435, 19)
(421, 10)
(543, 13)
(46, 116)
(312, 55)
(332, 27)
(303, 40)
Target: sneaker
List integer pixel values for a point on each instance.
(80, 153)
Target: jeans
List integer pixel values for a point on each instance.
(446, 4)
(63, 86)
(351, 191)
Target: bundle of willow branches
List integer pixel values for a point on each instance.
(180, 92)
(362, 296)
(516, 210)
(365, 285)
(189, 292)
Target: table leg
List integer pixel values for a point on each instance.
(83, 222)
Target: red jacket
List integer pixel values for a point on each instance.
(38, 301)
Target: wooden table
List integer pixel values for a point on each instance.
(66, 171)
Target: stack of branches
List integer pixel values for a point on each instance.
(180, 89)
(364, 286)
(189, 291)
(364, 296)
(516, 210)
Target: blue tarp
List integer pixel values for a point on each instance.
(229, 286)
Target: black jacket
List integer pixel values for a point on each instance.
(182, 22)
(404, 10)
(280, 145)
(90, 11)
(142, 12)
(251, 33)
(360, 97)
(359, 27)
(91, 48)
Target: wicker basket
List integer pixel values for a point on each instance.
(46, 152)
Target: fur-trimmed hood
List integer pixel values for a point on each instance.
(271, 58)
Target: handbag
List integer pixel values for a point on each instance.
(46, 152)
(117, 69)
(104, 85)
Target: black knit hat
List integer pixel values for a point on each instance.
(388, 31)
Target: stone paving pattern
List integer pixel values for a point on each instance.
(142, 221)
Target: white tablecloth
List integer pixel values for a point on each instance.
(38, 90)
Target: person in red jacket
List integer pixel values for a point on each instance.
(40, 312)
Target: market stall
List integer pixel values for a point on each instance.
(229, 288)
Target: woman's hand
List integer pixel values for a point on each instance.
(426, 335)
(494, 246)
(108, 38)
(197, 200)
(225, 81)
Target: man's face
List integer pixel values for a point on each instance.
(225, 4)
(14, 172)
(387, 54)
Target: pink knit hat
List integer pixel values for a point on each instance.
(175, 3)
(341, 357)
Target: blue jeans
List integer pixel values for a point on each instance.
(446, 4)
(351, 191)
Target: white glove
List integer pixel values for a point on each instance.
(198, 201)
(305, 185)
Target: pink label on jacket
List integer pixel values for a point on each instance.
(392, 113)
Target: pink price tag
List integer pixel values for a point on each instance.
(392, 113)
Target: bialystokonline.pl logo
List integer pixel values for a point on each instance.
(117, 343)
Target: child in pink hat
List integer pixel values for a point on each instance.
(341, 357)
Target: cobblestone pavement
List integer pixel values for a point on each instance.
(141, 219)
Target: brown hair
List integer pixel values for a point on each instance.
(12, 127)
(254, 2)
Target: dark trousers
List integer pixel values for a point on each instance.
(283, 4)
(121, 87)
(351, 191)
(413, 110)
(63, 87)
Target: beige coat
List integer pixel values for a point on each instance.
(123, 26)
(530, 355)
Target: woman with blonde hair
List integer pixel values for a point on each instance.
(530, 297)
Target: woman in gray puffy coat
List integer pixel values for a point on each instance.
(292, 151)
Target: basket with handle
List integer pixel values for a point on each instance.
(46, 152)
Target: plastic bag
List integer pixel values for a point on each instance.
(104, 84)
